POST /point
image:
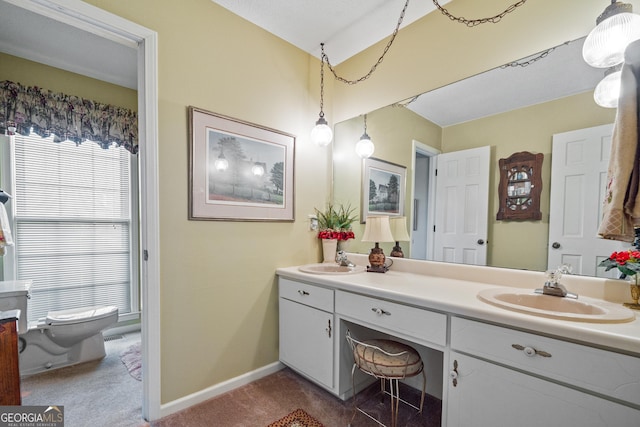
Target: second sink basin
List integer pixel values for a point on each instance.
(583, 309)
(330, 268)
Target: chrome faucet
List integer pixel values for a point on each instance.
(553, 287)
(341, 258)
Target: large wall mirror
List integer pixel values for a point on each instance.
(518, 107)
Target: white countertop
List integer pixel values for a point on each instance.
(458, 296)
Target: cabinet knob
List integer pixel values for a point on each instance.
(453, 374)
(530, 351)
(380, 311)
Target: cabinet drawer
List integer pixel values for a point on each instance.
(313, 296)
(414, 322)
(611, 374)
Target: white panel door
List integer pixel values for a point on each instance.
(579, 163)
(462, 206)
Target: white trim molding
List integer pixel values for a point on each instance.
(218, 389)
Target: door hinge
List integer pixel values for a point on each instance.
(145, 255)
(434, 228)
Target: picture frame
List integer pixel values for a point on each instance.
(383, 188)
(239, 171)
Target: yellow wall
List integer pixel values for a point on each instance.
(527, 129)
(218, 290)
(219, 296)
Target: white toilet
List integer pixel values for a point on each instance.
(63, 338)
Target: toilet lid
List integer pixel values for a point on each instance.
(83, 314)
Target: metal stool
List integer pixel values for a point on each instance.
(386, 360)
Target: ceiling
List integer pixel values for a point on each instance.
(345, 26)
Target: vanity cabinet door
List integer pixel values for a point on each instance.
(483, 394)
(306, 341)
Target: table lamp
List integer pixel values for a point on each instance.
(400, 234)
(377, 229)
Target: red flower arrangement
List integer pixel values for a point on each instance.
(335, 223)
(627, 262)
(338, 235)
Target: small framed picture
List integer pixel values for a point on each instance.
(238, 171)
(383, 188)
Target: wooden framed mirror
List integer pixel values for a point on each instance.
(520, 186)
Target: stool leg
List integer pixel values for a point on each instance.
(424, 388)
(353, 387)
(395, 401)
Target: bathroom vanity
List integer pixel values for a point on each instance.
(489, 365)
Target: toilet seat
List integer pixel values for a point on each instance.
(80, 315)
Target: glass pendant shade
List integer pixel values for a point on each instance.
(607, 91)
(364, 147)
(321, 134)
(615, 29)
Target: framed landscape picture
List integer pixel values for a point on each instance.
(238, 171)
(383, 188)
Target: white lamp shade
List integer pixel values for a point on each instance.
(364, 147)
(399, 229)
(607, 91)
(606, 43)
(321, 134)
(377, 229)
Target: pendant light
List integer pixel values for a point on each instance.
(607, 91)
(321, 134)
(615, 28)
(364, 147)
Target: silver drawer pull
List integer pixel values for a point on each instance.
(303, 293)
(380, 311)
(530, 351)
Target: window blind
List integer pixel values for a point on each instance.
(72, 224)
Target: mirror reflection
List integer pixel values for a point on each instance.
(522, 106)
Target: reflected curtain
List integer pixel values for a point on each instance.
(30, 108)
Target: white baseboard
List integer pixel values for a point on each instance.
(218, 389)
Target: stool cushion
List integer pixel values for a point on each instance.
(404, 360)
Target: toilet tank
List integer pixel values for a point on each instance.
(13, 296)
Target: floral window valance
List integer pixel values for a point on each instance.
(24, 109)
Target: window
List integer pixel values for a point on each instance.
(74, 222)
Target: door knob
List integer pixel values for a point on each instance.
(480, 242)
(555, 245)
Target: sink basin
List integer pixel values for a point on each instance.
(330, 268)
(583, 309)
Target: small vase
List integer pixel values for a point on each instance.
(329, 248)
(343, 245)
(635, 293)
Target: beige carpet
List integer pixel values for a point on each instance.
(97, 394)
(273, 397)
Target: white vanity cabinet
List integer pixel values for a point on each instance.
(503, 377)
(307, 330)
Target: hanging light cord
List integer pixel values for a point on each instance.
(536, 58)
(473, 22)
(324, 58)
